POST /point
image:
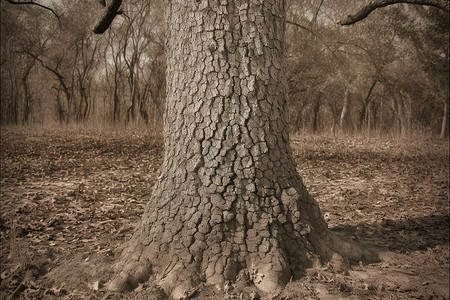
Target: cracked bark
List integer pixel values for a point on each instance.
(229, 197)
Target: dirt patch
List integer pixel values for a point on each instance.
(70, 198)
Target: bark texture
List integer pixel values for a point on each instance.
(229, 199)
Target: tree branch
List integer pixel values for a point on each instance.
(314, 34)
(375, 4)
(110, 12)
(37, 4)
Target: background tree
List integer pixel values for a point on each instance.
(323, 58)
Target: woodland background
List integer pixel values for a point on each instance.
(388, 74)
(75, 179)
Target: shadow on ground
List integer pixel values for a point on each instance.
(406, 235)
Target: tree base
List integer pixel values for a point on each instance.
(211, 238)
(269, 275)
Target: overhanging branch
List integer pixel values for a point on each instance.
(375, 4)
(37, 4)
(110, 12)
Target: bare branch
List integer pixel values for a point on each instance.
(301, 26)
(375, 4)
(314, 34)
(110, 12)
(314, 19)
(37, 4)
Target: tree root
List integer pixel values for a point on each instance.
(269, 275)
(130, 276)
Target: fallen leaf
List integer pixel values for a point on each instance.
(94, 286)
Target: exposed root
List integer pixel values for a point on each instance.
(179, 281)
(271, 277)
(203, 244)
(130, 276)
(270, 274)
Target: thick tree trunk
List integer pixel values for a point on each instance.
(229, 197)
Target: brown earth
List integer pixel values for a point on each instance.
(70, 199)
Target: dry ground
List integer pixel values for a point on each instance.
(71, 197)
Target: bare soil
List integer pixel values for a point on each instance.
(70, 198)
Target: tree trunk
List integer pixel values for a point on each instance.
(13, 103)
(26, 95)
(344, 112)
(444, 120)
(366, 104)
(380, 119)
(316, 109)
(229, 197)
(401, 116)
(116, 106)
(62, 115)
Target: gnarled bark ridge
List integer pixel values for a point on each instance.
(229, 197)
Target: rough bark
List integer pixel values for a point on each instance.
(229, 198)
(373, 5)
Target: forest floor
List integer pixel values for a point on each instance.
(71, 197)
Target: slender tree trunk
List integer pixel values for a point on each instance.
(366, 103)
(316, 110)
(381, 117)
(26, 95)
(59, 106)
(344, 111)
(229, 198)
(401, 115)
(444, 121)
(116, 105)
(13, 103)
